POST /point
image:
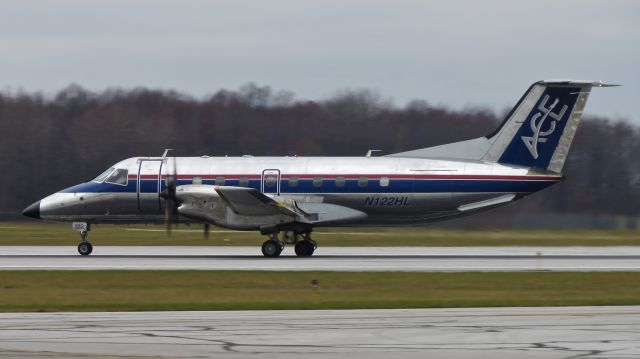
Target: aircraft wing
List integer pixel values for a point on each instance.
(251, 202)
(250, 207)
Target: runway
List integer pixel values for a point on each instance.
(414, 259)
(527, 333)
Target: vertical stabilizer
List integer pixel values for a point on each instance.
(539, 130)
(537, 133)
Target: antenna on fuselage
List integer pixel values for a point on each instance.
(166, 151)
(370, 152)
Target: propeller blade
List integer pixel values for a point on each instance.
(206, 230)
(168, 216)
(169, 195)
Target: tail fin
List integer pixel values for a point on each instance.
(537, 133)
(539, 130)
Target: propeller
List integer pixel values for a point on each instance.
(169, 195)
(172, 203)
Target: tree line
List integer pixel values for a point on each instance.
(51, 142)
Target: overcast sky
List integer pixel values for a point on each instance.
(456, 53)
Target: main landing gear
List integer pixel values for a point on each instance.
(273, 246)
(304, 245)
(84, 248)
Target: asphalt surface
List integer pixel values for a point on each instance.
(425, 259)
(524, 333)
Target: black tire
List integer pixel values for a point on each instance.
(271, 248)
(304, 249)
(85, 248)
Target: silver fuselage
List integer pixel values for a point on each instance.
(389, 190)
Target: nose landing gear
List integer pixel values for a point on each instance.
(84, 248)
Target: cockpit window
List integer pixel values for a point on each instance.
(103, 175)
(118, 176)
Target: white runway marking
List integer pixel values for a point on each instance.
(420, 259)
(531, 333)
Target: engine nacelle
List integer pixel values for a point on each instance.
(204, 204)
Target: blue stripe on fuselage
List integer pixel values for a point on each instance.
(351, 186)
(95, 187)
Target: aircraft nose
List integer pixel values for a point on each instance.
(32, 211)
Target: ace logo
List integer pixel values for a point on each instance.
(538, 121)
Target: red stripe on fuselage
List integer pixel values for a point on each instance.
(308, 176)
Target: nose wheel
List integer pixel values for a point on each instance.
(85, 248)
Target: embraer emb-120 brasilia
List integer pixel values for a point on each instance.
(286, 197)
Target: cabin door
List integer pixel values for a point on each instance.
(270, 182)
(149, 176)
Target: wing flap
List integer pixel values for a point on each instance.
(251, 202)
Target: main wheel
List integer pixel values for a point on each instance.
(85, 248)
(271, 248)
(305, 248)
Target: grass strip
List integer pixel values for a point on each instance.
(33, 233)
(39, 291)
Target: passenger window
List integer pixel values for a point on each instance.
(270, 180)
(118, 176)
(363, 181)
(196, 180)
(384, 181)
(340, 181)
(317, 181)
(243, 182)
(293, 181)
(220, 181)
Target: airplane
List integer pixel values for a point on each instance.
(285, 198)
